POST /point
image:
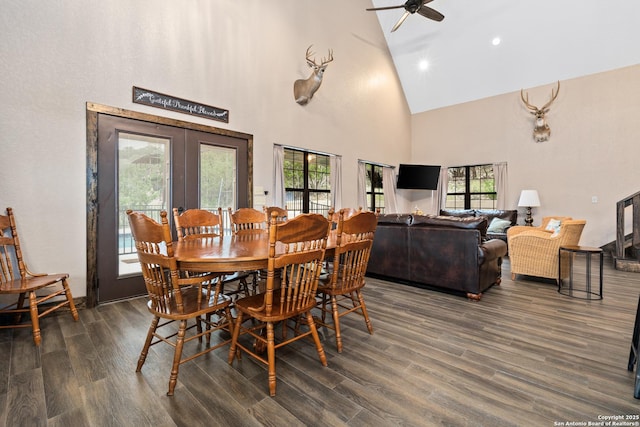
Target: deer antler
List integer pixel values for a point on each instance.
(312, 62)
(526, 101)
(553, 98)
(329, 59)
(544, 109)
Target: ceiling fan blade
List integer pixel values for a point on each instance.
(400, 21)
(427, 12)
(386, 7)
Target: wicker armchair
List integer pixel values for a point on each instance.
(533, 251)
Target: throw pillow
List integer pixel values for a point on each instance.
(554, 225)
(498, 225)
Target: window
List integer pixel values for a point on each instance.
(306, 181)
(471, 187)
(375, 195)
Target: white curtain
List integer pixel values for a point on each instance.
(335, 178)
(389, 189)
(278, 176)
(500, 176)
(441, 192)
(362, 185)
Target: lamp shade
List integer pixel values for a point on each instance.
(529, 198)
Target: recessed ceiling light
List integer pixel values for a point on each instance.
(423, 65)
(495, 41)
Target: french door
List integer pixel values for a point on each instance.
(152, 167)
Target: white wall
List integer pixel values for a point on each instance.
(593, 150)
(242, 56)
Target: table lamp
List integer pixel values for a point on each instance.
(529, 199)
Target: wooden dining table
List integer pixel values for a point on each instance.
(230, 253)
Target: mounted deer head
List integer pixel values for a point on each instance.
(541, 130)
(303, 90)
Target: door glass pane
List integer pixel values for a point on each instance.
(217, 177)
(143, 186)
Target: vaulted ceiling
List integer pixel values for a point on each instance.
(541, 42)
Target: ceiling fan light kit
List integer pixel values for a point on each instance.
(411, 7)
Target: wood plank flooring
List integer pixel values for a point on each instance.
(522, 356)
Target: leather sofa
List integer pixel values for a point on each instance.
(490, 214)
(447, 253)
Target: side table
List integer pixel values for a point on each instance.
(570, 290)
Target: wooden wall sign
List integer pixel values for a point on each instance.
(166, 102)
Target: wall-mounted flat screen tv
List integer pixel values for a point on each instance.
(418, 177)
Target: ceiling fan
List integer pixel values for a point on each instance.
(411, 7)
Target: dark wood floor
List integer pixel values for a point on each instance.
(523, 356)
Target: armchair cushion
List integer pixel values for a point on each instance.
(547, 219)
(554, 226)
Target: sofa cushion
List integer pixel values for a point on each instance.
(401, 219)
(421, 219)
(458, 213)
(508, 214)
(467, 222)
(498, 225)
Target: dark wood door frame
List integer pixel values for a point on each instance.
(92, 111)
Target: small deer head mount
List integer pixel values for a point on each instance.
(303, 90)
(541, 130)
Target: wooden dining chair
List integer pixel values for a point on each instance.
(281, 214)
(175, 296)
(340, 294)
(247, 220)
(334, 215)
(200, 223)
(296, 251)
(17, 279)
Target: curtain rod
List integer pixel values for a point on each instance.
(307, 150)
(481, 164)
(376, 163)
